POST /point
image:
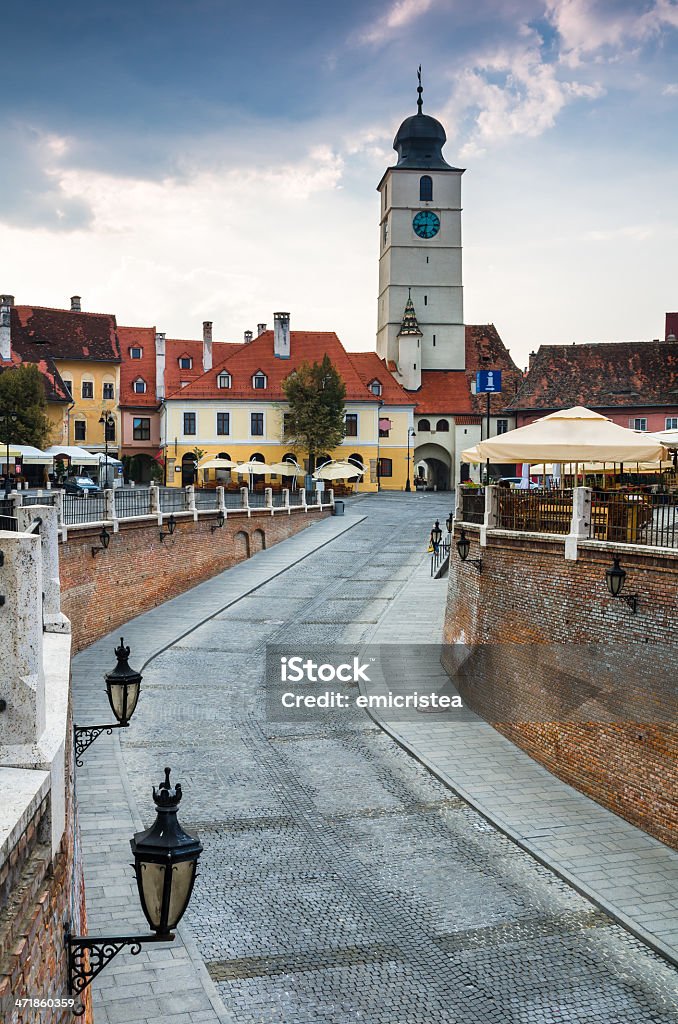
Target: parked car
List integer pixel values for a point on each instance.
(80, 485)
(515, 481)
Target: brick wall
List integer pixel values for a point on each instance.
(137, 571)
(37, 896)
(568, 673)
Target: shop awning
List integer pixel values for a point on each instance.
(29, 455)
(73, 454)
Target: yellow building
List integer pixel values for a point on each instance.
(237, 409)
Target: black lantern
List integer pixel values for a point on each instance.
(449, 522)
(615, 577)
(122, 686)
(171, 527)
(221, 519)
(436, 535)
(105, 539)
(464, 548)
(165, 862)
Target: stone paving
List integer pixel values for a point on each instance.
(341, 881)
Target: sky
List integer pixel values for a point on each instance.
(177, 162)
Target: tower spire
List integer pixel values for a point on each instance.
(420, 89)
(410, 324)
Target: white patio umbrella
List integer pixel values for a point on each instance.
(669, 438)
(571, 435)
(287, 469)
(253, 468)
(338, 471)
(217, 463)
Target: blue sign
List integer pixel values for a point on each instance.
(488, 381)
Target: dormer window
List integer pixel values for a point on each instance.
(375, 387)
(139, 386)
(259, 381)
(185, 363)
(136, 352)
(224, 380)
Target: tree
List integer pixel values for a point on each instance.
(315, 420)
(22, 392)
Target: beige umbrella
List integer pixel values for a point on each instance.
(287, 469)
(669, 438)
(471, 455)
(338, 471)
(253, 468)
(571, 435)
(217, 463)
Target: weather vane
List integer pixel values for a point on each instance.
(420, 89)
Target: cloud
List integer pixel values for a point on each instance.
(511, 92)
(399, 15)
(671, 89)
(588, 26)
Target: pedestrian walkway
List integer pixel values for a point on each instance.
(164, 984)
(625, 872)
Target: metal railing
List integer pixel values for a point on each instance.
(256, 500)
(8, 520)
(440, 555)
(534, 511)
(233, 499)
(173, 499)
(132, 501)
(46, 498)
(206, 499)
(296, 497)
(635, 518)
(85, 508)
(473, 506)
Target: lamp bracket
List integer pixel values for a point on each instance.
(631, 600)
(89, 954)
(478, 562)
(85, 735)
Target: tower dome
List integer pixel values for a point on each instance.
(420, 139)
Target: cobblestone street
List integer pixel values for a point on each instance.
(340, 881)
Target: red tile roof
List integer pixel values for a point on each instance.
(176, 347)
(65, 334)
(369, 368)
(131, 369)
(244, 362)
(443, 391)
(24, 350)
(606, 375)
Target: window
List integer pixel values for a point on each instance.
(80, 430)
(426, 300)
(351, 424)
(185, 362)
(259, 381)
(434, 341)
(385, 232)
(108, 391)
(224, 380)
(424, 425)
(375, 387)
(385, 467)
(189, 423)
(257, 424)
(139, 386)
(426, 189)
(109, 430)
(671, 423)
(442, 425)
(141, 428)
(68, 384)
(136, 352)
(88, 389)
(502, 426)
(223, 423)
(638, 423)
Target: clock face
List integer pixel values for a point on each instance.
(426, 223)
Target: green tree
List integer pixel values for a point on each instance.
(315, 420)
(22, 392)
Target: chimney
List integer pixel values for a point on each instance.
(159, 365)
(281, 335)
(207, 345)
(671, 326)
(533, 356)
(248, 337)
(6, 300)
(5, 328)
(260, 329)
(75, 304)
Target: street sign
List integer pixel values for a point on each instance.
(488, 381)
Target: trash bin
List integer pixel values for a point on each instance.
(338, 508)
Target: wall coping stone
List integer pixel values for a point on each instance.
(23, 790)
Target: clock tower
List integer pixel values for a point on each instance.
(420, 253)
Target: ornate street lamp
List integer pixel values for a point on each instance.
(221, 519)
(449, 522)
(105, 539)
(165, 862)
(8, 418)
(171, 527)
(464, 548)
(436, 535)
(615, 577)
(410, 434)
(108, 422)
(122, 686)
